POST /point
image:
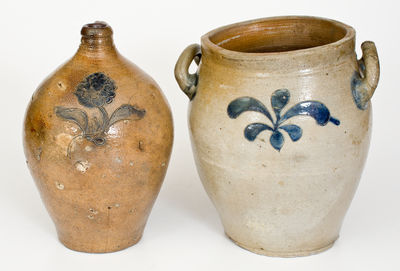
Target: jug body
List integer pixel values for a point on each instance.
(98, 137)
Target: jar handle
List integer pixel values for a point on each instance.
(187, 81)
(365, 80)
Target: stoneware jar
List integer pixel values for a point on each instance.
(98, 137)
(280, 123)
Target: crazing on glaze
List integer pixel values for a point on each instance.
(279, 99)
(96, 91)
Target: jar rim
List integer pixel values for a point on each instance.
(215, 42)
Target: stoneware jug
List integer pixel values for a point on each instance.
(98, 137)
(280, 123)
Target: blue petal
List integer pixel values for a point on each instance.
(313, 109)
(277, 140)
(240, 105)
(334, 121)
(294, 131)
(279, 100)
(252, 130)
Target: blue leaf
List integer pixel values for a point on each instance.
(294, 131)
(277, 140)
(240, 105)
(313, 109)
(252, 130)
(125, 112)
(74, 115)
(279, 100)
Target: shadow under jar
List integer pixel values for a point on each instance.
(280, 123)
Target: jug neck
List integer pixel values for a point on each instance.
(97, 39)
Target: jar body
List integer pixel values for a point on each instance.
(292, 200)
(281, 180)
(98, 164)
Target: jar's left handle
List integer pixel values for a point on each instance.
(188, 81)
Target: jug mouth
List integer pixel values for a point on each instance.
(96, 30)
(268, 37)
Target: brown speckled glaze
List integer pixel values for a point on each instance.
(97, 177)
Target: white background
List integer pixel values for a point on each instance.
(184, 231)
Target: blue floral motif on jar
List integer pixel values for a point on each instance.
(279, 100)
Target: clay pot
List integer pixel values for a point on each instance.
(98, 137)
(280, 123)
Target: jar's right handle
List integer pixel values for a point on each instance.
(187, 81)
(365, 81)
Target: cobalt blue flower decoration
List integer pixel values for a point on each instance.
(96, 91)
(279, 100)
